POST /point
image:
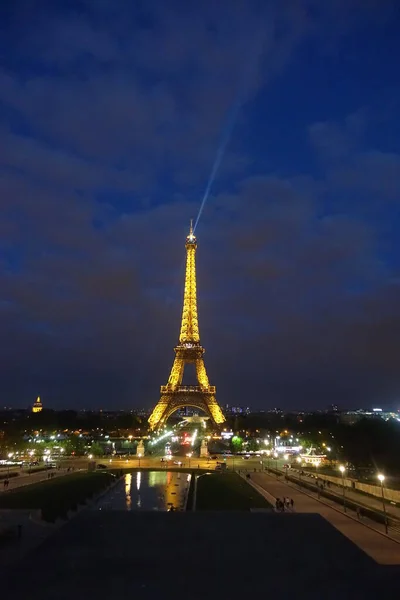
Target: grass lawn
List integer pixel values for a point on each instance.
(227, 491)
(56, 496)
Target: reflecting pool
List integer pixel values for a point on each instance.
(147, 490)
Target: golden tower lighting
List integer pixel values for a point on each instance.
(174, 395)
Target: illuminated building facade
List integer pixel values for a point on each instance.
(174, 395)
(37, 405)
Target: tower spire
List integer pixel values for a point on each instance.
(190, 324)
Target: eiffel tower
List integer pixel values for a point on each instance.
(174, 395)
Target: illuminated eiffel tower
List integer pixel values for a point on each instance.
(174, 395)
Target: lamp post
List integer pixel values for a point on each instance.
(382, 479)
(62, 450)
(276, 464)
(10, 455)
(317, 463)
(268, 455)
(342, 469)
(139, 457)
(31, 453)
(189, 455)
(298, 460)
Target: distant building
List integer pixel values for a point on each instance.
(37, 405)
(312, 458)
(237, 410)
(350, 417)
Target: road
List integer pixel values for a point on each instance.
(146, 462)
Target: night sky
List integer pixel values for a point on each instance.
(111, 115)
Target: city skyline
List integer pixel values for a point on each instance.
(111, 119)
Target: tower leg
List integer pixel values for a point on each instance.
(176, 375)
(201, 373)
(158, 415)
(215, 410)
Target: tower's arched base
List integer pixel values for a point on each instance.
(172, 400)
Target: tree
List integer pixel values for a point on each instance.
(252, 445)
(75, 445)
(236, 443)
(96, 449)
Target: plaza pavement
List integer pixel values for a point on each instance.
(382, 549)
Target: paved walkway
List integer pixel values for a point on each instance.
(354, 495)
(26, 479)
(382, 549)
(32, 534)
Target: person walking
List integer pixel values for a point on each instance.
(292, 503)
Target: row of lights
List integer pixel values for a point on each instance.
(380, 476)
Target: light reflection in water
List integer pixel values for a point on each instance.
(157, 478)
(167, 490)
(138, 480)
(128, 483)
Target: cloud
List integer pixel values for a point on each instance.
(111, 117)
(375, 173)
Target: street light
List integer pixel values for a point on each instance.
(299, 461)
(342, 469)
(139, 457)
(268, 455)
(276, 464)
(189, 455)
(10, 455)
(382, 479)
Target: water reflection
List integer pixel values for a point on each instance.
(147, 490)
(138, 481)
(128, 483)
(157, 478)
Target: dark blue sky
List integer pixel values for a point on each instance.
(111, 114)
